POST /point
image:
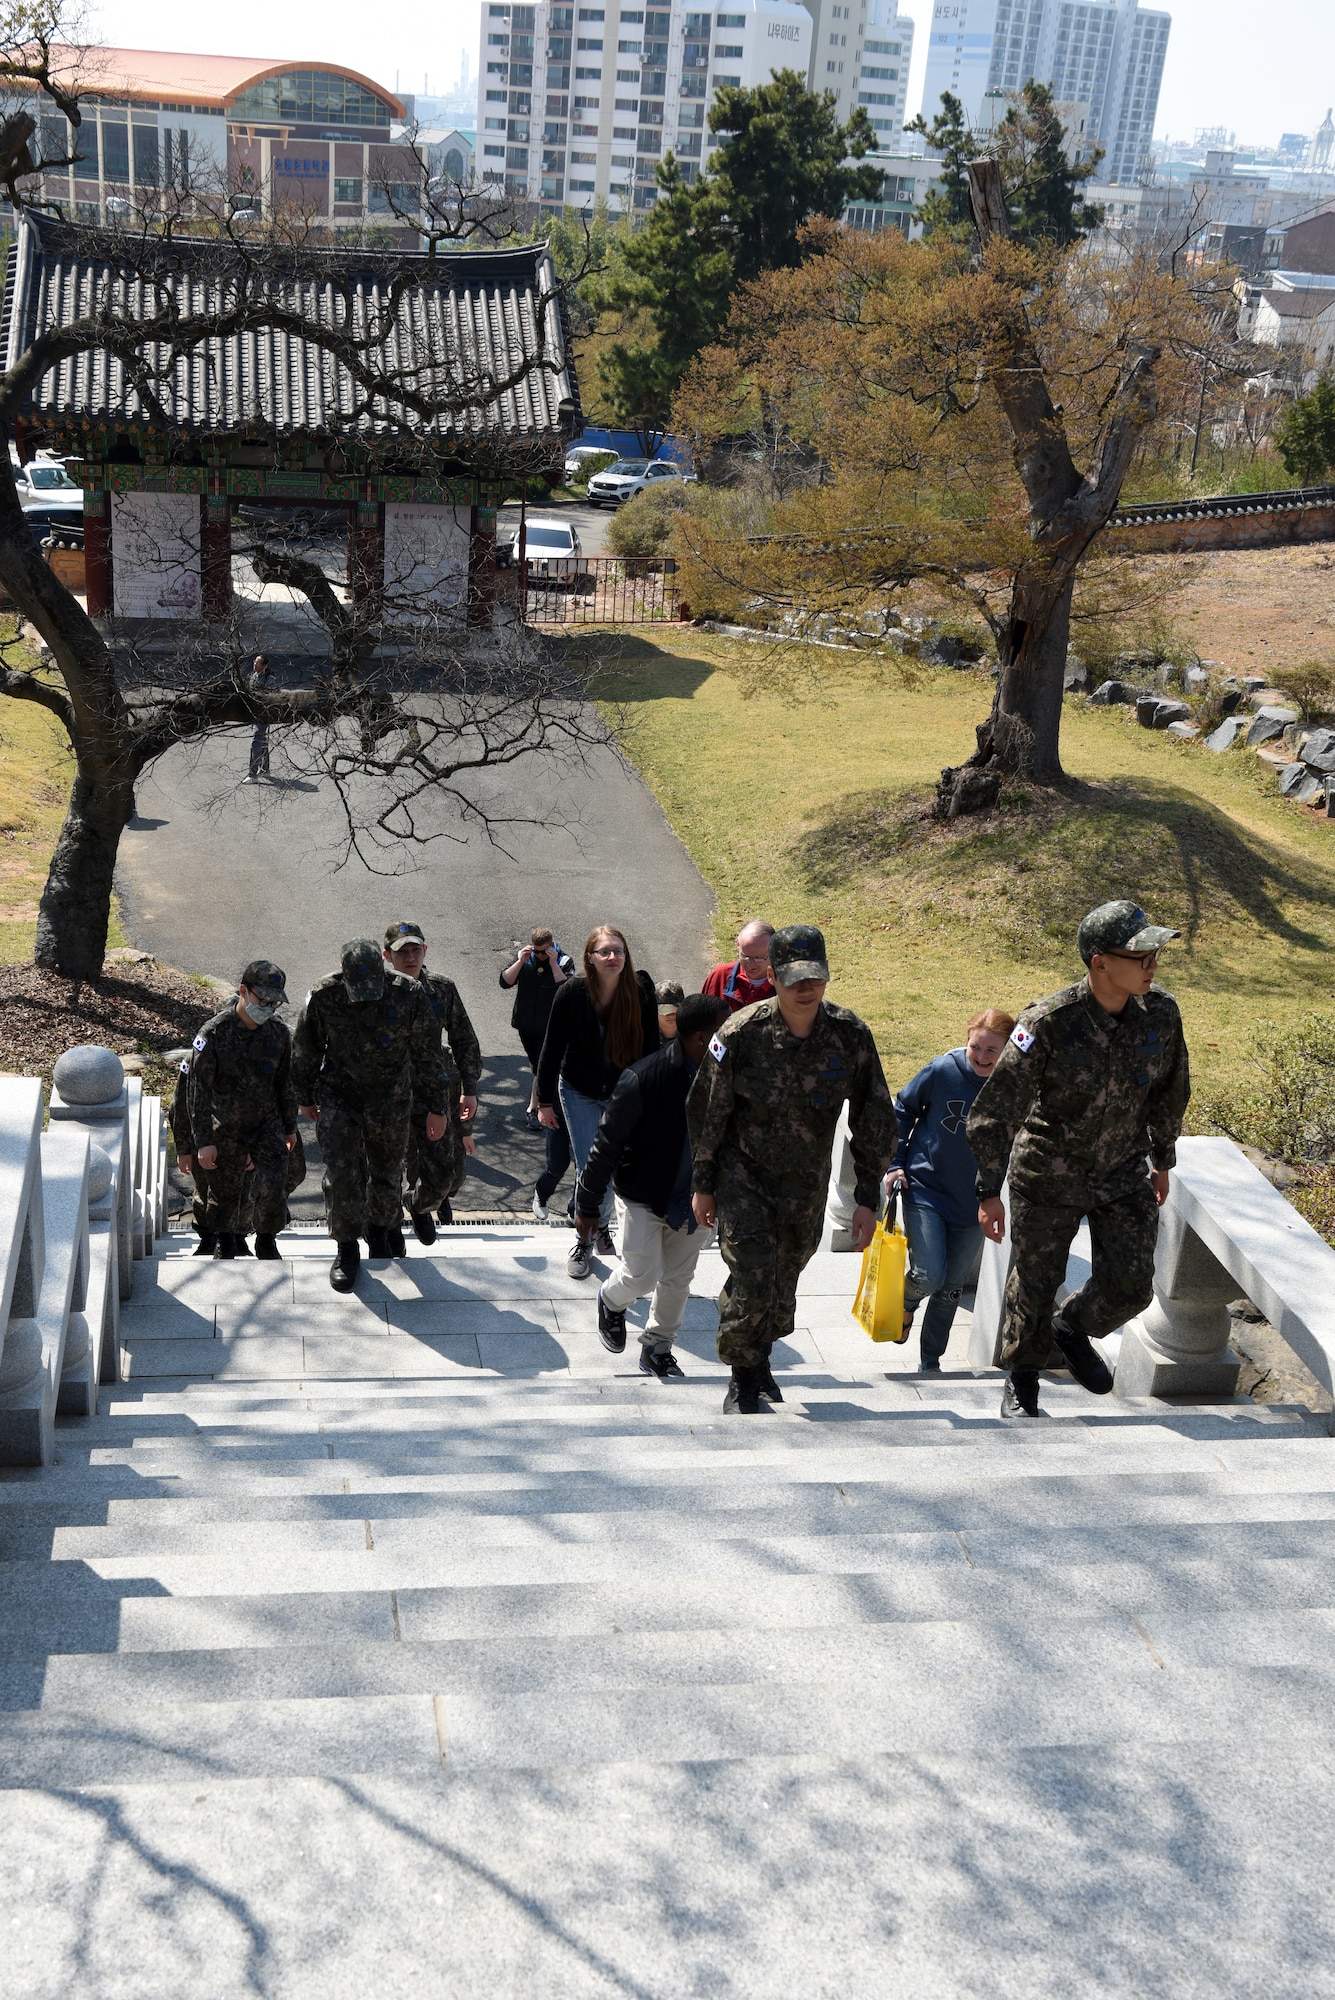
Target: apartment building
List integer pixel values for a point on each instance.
(311, 134)
(1108, 54)
(860, 52)
(579, 102)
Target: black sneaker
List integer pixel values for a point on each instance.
(343, 1271)
(661, 1362)
(1083, 1359)
(266, 1247)
(603, 1243)
(377, 1244)
(446, 1213)
(395, 1244)
(204, 1247)
(424, 1225)
(611, 1327)
(225, 1247)
(743, 1397)
(768, 1386)
(1019, 1398)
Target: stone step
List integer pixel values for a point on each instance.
(905, 1653)
(69, 1608)
(1087, 1704)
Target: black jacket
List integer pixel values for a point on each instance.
(573, 1046)
(534, 990)
(641, 1134)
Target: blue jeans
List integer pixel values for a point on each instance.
(582, 1115)
(943, 1259)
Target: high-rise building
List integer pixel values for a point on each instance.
(1108, 54)
(860, 51)
(577, 102)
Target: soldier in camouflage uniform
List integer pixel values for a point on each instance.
(366, 1044)
(1092, 1081)
(242, 1113)
(435, 1171)
(762, 1114)
(178, 1117)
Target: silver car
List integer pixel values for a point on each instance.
(552, 550)
(629, 476)
(47, 495)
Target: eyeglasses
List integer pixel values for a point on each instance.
(1145, 960)
(754, 957)
(608, 951)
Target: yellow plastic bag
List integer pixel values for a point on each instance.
(879, 1305)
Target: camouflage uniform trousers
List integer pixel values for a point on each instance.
(766, 1249)
(1122, 1236)
(363, 1151)
(238, 1199)
(435, 1168)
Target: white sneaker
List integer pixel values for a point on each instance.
(539, 1206)
(250, 781)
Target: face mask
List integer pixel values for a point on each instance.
(260, 1014)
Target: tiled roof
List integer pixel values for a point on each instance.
(480, 334)
(1307, 303)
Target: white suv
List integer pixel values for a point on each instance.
(628, 477)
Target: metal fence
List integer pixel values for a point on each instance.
(593, 590)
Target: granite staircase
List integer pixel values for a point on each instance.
(409, 1643)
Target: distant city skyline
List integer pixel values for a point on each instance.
(1206, 81)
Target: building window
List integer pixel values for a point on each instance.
(588, 75)
(115, 152)
(146, 155)
(312, 96)
(728, 52)
(624, 159)
(351, 190)
(730, 20)
(592, 14)
(494, 152)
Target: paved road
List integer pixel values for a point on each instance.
(211, 875)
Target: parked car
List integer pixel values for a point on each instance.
(48, 496)
(628, 477)
(581, 458)
(552, 550)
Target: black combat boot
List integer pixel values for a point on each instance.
(243, 1248)
(1019, 1398)
(424, 1225)
(343, 1271)
(266, 1247)
(1083, 1359)
(396, 1247)
(768, 1386)
(743, 1397)
(205, 1245)
(225, 1247)
(376, 1240)
(446, 1213)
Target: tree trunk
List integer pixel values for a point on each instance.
(1021, 737)
(76, 903)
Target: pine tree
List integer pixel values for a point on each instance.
(1306, 434)
(946, 210)
(1042, 186)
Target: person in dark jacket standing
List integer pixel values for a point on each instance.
(435, 1172)
(600, 1023)
(1084, 1107)
(367, 1044)
(243, 1112)
(538, 970)
(935, 1170)
(643, 1147)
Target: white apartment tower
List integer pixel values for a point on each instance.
(860, 51)
(1108, 54)
(577, 102)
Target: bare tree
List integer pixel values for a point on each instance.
(398, 700)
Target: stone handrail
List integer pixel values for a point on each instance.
(78, 1203)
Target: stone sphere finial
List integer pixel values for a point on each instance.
(89, 1074)
(100, 1171)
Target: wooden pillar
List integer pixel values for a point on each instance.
(97, 551)
(482, 566)
(366, 550)
(216, 564)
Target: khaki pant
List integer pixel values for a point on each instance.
(658, 1259)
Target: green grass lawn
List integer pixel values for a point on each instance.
(36, 771)
(797, 783)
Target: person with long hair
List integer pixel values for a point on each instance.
(601, 1021)
(935, 1171)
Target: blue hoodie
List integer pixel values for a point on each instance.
(933, 1151)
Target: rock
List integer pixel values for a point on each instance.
(1293, 737)
(1291, 777)
(1075, 678)
(1109, 693)
(1312, 790)
(1227, 733)
(99, 1174)
(132, 1064)
(1253, 681)
(1153, 712)
(1188, 731)
(1194, 679)
(1268, 722)
(177, 1056)
(943, 651)
(1319, 750)
(1330, 798)
(1277, 1172)
(1274, 759)
(89, 1074)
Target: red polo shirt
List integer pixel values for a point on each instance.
(730, 983)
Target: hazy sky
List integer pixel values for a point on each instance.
(1259, 73)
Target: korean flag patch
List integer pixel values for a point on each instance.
(1022, 1038)
(718, 1048)
(185, 1069)
(199, 1043)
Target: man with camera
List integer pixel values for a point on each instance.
(539, 967)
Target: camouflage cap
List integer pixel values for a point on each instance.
(267, 981)
(797, 952)
(1120, 927)
(397, 934)
(363, 969)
